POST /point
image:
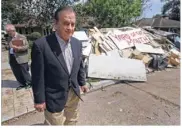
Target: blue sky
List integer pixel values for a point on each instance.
(155, 8)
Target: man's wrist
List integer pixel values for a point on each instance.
(39, 103)
(82, 85)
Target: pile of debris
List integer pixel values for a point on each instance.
(126, 53)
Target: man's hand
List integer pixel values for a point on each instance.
(40, 107)
(84, 88)
(11, 45)
(14, 47)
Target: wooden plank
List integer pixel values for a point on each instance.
(102, 41)
(111, 43)
(116, 68)
(96, 48)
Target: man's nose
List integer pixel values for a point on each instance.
(69, 27)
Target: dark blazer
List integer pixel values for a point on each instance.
(50, 77)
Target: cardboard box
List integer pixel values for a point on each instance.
(140, 56)
(17, 42)
(126, 53)
(174, 61)
(146, 59)
(137, 55)
(175, 53)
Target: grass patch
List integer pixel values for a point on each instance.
(93, 80)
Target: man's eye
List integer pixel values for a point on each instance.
(72, 24)
(66, 23)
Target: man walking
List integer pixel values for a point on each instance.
(18, 56)
(57, 71)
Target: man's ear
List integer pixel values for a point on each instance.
(54, 24)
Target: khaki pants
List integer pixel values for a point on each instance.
(68, 116)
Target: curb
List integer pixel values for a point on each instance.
(102, 84)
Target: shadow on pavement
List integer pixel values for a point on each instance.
(9, 84)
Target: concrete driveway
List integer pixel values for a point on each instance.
(156, 102)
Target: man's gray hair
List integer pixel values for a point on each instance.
(10, 27)
(61, 9)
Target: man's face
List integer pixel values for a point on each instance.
(11, 32)
(66, 24)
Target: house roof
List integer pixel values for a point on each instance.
(30, 23)
(158, 23)
(165, 23)
(144, 22)
(159, 32)
(20, 25)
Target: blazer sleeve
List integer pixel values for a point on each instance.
(37, 70)
(81, 72)
(9, 43)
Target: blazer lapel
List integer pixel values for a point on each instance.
(74, 53)
(56, 49)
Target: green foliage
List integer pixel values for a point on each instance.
(12, 11)
(91, 80)
(172, 9)
(30, 44)
(30, 48)
(30, 12)
(111, 13)
(100, 13)
(32, 37)
(35, 35)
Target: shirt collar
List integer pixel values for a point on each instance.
(60, 40)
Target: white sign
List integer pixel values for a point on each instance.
(128, 38)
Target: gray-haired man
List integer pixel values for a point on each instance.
(18, 57)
